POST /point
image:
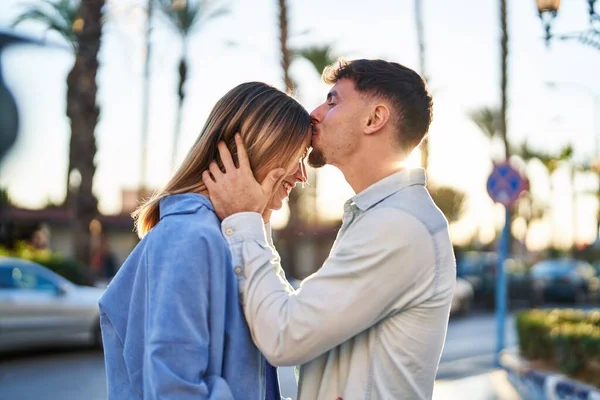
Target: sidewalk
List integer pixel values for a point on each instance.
(473, 378)
(488, 386)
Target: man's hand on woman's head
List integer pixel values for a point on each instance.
(236, 190)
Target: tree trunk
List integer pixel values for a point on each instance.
(424, 147)
(286, 56)
(293, 225)
(503, 94)
(143, 191)
(177, 134)
(504, 78)
(83, 112)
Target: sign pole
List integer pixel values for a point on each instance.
(501, 287)
(504, 186)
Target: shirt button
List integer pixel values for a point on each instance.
(238, 270)
(229, 232)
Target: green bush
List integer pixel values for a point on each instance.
(65, 267)
(54, 261)
(568, 338)
(533, 330)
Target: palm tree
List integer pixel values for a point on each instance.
(504, 80)
(80, 23)
(319, 56)
(63, 18)
(550, 161)
(286, 55)
(424, 146)
(450, 201)
(286, 52)
(531, 209)
(489, 122)
(186, 18)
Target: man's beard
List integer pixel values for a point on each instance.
(316, 158)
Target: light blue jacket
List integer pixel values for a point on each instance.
(171, 319)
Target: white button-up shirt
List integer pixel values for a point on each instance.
(371, 323)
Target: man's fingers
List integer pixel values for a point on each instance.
(241, 150)
(226, 157)
(271, 179)
(215, 171)
(208, 180)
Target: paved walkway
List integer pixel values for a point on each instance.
(489, 386)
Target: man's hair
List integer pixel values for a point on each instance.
(402, 87)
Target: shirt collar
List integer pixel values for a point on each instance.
(388, 186)
(184, 203)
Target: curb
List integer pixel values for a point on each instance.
(532, 384)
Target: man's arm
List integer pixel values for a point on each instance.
(383, 264)
(379, 266)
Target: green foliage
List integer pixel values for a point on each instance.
(4, 198)
(533, 330)
(568, 341)
(319, 56)
(61, 17)
(550, 161)
(65, 267)
(449, 200)
(487, 120)
(185, 16)
(569, 338)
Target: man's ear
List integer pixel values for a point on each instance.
(377, 119)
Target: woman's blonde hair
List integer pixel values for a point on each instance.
(273, 127)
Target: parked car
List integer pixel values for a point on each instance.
(563, 279)
(39, 307)
(479, 268)
(463, 297)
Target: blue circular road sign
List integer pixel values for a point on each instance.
(505, 184)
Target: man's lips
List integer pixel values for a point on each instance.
(315, 129)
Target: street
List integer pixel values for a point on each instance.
(76, 374)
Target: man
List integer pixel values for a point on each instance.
(371, 323)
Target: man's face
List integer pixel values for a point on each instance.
(336, 124)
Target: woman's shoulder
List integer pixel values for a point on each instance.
(187, 216)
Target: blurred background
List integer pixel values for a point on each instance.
(100, 100)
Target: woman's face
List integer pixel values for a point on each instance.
(295, 172)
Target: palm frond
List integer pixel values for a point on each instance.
(550, 161)
(218, 13)
(566, 153)
(319, 56)
(185, 16)
(67, 10)
(58, 17)
(487, 120)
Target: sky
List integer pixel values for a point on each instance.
(462, 63)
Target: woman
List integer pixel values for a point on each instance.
(171, 320)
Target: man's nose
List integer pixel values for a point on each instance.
(300, 173)
(317, 114)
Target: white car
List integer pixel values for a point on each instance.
(39, 307)
(463, 297)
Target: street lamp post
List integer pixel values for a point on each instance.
(548, 9)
